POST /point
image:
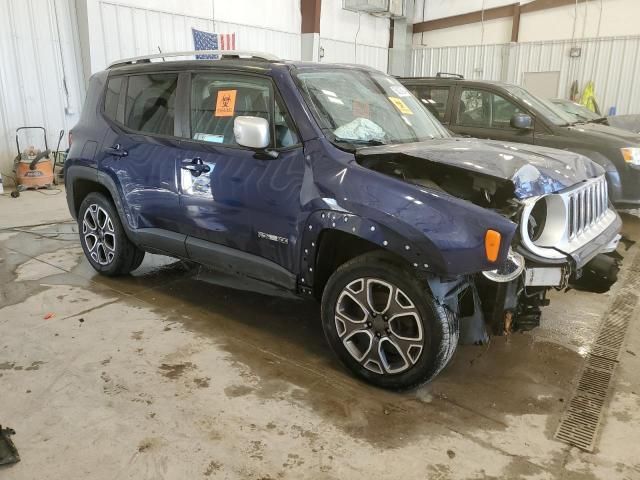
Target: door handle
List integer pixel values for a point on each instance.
(196, 166)
(116, 151)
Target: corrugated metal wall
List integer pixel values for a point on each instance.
(474, 62)
(338, 51)
(613, 63)
(130, 31)
(40, 76)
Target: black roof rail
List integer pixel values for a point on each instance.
(449, 75)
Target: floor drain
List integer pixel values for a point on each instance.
(581, 421)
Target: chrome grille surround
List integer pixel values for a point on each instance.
(575, 216)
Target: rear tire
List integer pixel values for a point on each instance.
(103, 239)
(384, 325)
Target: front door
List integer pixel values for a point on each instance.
(232, 196)
(485, 114)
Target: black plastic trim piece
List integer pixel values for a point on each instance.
(237, 262)
(158, 240)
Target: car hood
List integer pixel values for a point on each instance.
(625, 122)
(532, 170)
(612, 136)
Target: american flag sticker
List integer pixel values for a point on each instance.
(227, 41)
(212, 41)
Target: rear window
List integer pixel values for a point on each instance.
(112, 97)
(150, 103)
(434, 98)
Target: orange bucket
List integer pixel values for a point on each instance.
(40, 176)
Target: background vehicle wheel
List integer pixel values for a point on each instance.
(384, 325)
(103, 239)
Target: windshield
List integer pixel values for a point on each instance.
(361, 107)
(546, 108)
(579, 112)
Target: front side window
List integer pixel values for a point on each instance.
(150, 103)
(479, 108)
(218, 98)
(358, 106)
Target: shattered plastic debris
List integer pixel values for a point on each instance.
(8, 451)
(49, 316)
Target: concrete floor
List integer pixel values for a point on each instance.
(161, 375)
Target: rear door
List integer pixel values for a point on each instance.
(242, 199)
(482, 113)
(140, 150)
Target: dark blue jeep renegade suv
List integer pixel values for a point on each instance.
(333, 181)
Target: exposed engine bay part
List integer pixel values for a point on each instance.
(476, 187)
(460, 297)
(8, 451)
(484, 306)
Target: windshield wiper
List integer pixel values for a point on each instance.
(598, 120)
(357, 141)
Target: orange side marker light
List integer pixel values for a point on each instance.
(492, 244)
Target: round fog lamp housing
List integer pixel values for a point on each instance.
(510, 269)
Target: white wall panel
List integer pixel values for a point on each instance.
(285, 45)
(341, 30)
(130, 31)
(612, 63)
(585, 19)
(40, 78)
(474, 62)
(278, 15)
(336, 51)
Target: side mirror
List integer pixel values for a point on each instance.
(522, 121)
(251, 132)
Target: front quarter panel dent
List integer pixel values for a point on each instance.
(423, 257)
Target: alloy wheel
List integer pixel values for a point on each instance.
(379, 326)
(99, 234)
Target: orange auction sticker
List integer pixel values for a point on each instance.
(225, 103)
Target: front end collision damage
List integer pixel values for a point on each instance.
(440, 236)
(497, 296)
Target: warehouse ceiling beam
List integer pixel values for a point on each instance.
(514, 10)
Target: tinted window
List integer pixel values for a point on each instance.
(503, 110)
(217, 99)
(434, 98)
(479, 108)
(112, 97)
(150, 103)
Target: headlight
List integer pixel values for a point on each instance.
(509, 270)
(631, 155)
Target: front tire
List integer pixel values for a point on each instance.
(103, 239)
(384, 325)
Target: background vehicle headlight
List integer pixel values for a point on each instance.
(511, 269)
(631, 155)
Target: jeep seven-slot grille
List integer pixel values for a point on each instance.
(587, 205)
